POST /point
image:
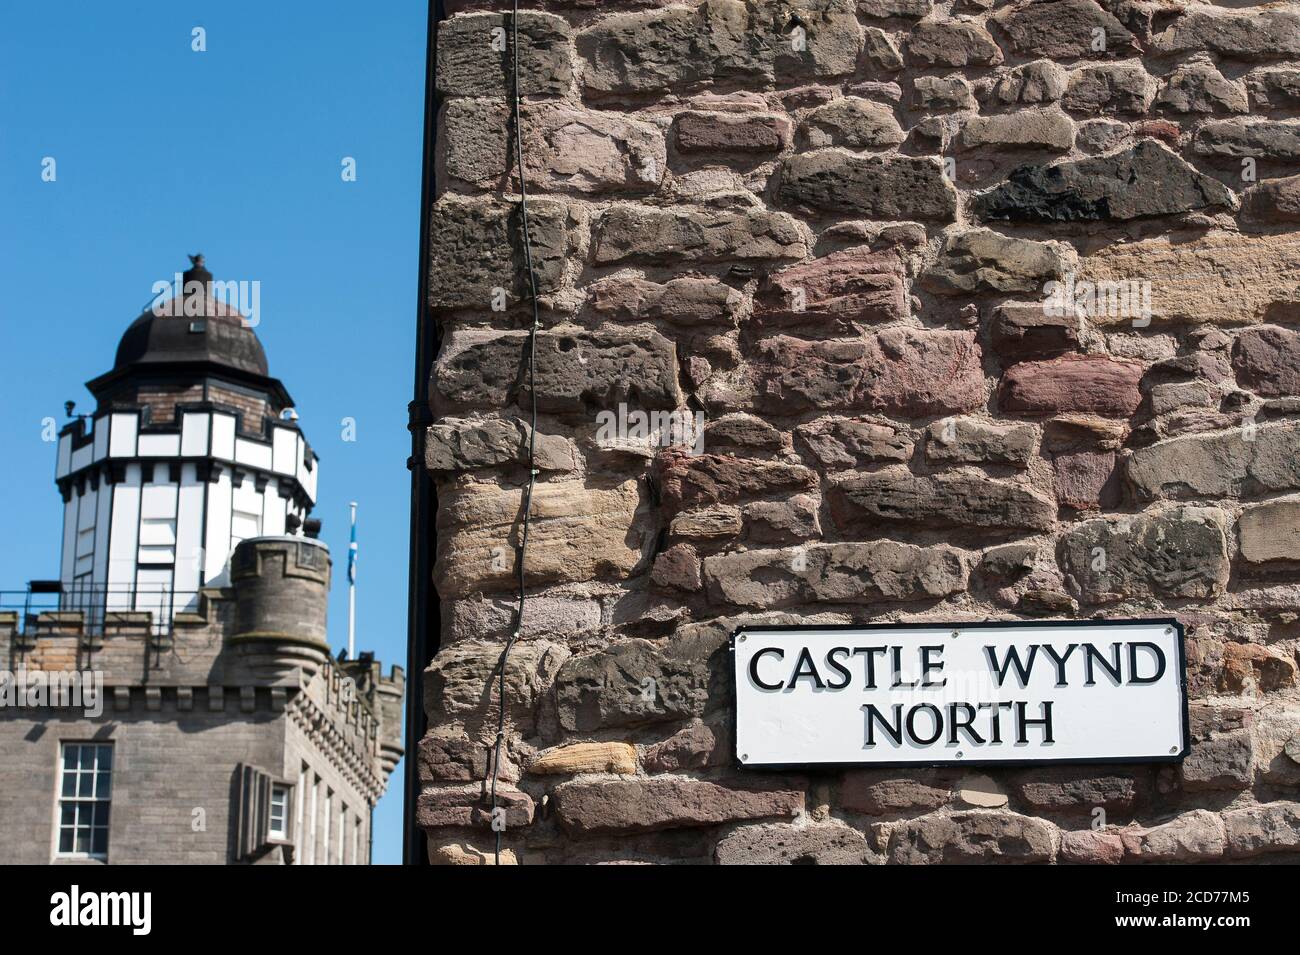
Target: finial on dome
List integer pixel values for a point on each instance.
(197, 280)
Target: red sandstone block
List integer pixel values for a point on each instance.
(1088, 383)
(855, 285)
(1091, 847)
(688, 480)
(732, 133)
(469, 806)
(644, 805)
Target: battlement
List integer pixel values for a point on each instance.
(129, 647)
(384, 694)
(260, 640)
(351, 723)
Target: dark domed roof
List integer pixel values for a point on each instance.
(214, 335)
(192, 327)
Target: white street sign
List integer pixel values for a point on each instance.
(962, 693)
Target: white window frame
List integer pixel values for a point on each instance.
(325, 853)
(343, 830)
(93, 800)
(311, 836)
(281, 794)
(300, 799)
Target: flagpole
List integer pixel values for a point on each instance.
(352, 586)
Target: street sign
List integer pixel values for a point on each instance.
(960, 694)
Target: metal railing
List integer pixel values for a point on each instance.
(95, 603)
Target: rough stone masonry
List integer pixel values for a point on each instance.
(991, 311)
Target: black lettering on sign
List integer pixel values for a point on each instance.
(1012, 657)
(753, 667)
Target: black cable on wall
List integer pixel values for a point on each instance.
(517, 628)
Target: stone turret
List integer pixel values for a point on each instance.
(281, 597)
(389, 693)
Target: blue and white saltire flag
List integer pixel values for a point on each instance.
(352, 551)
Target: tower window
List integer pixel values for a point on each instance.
(158, 540)
(198, 327)
(85, 794)
(243, 525)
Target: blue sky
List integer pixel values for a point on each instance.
(235, 152)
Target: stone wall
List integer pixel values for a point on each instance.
(176, 757)
(829, 227)
(172, 782)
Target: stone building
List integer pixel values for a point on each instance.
(833, 231)
(171, 696)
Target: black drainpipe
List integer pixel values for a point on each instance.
(423, 616)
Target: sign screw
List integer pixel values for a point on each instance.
(960, 754)
(1173, 750)
(954, 633)
(744, 756)
(741, 638)
(1168, 630)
